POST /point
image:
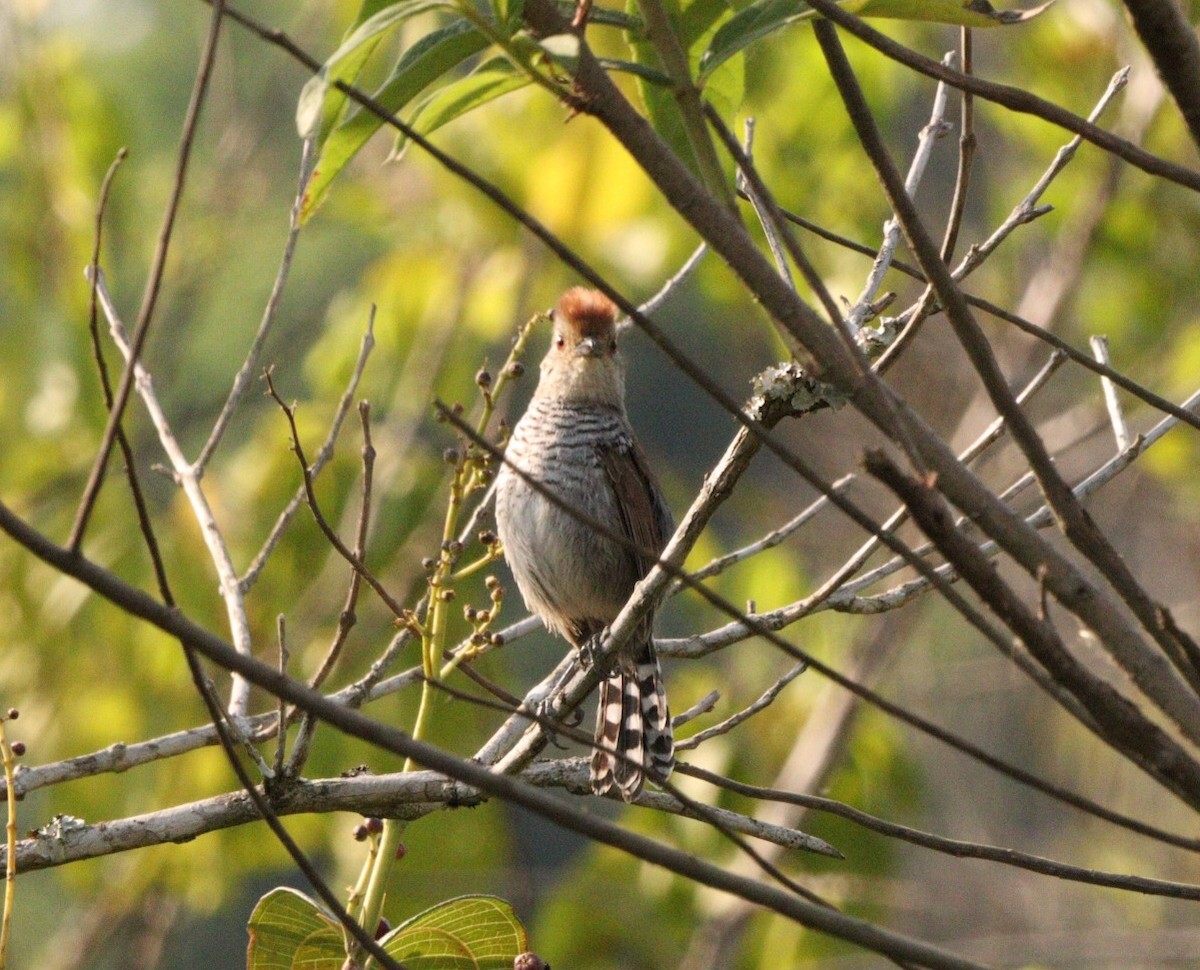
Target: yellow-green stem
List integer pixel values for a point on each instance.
(393, 828)
(471, 568)
(10, 875)
(378, 867)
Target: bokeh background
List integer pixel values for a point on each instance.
(452, 277)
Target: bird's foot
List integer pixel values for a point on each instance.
(545, 710)
(589, 650)
(548, 717)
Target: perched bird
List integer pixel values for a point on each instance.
(575, 440)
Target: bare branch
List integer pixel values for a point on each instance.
(1116, 415)
(1028, 209)
(956, 847)
(764, 701)
(289, 411)
(230, 590)
(320, 460)
(934, 129)
(1150, 669)
(173, 622)
(668, 288)
(249, 368)
(154, 282)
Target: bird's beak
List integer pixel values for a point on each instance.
(588, 347)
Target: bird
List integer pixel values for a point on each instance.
(575, 441)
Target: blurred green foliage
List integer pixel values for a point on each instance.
(450, 278)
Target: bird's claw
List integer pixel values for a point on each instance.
(547, 717)
(589, 650)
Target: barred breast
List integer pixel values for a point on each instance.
(573, 578)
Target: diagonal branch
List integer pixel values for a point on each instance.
(154, 282)
(1121, 722)
(173, 622)
(1015, 99)
(1151, 670)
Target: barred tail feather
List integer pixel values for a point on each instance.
(633, 729)
(659, 740)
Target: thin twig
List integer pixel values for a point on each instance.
(966, 154)
(1116, 414)
(773, 538)
(135, 487)
(1025, 211)
(955, 847)
(320, 460)
(701, 707)
(768, 210)
(934, 129)
(724, 727)
(768, 227)
(668, 288)
(281, 736)
(347, 618)
(153, 284)
(289, 411)
(249, 368)
(231, 593)
(1028, 208)
(173, 622)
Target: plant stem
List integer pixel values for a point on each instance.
(10, 875)
(467, 479)
(665, 38)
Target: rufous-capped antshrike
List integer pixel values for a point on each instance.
(576, 442)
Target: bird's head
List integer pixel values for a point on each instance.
(582, 362)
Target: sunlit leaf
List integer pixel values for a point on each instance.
(288, 930)
(603, 16)
(467, 933)
(420, 65)
(764, 17)
(508, 13)
(321, 103)
(643, 71)
(695, 23)
(492, 79)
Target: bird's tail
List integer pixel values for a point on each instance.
(633, 727)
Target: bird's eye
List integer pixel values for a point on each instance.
(560, 341)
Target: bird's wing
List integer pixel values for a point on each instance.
(644, 514)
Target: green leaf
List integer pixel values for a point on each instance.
(508, 13)
(467, 933)
(695, 22)
(492, 79)
(646, 73)
(420, 65)
(322, 105)
(603, 16)
(287, 928)
(764, 17)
